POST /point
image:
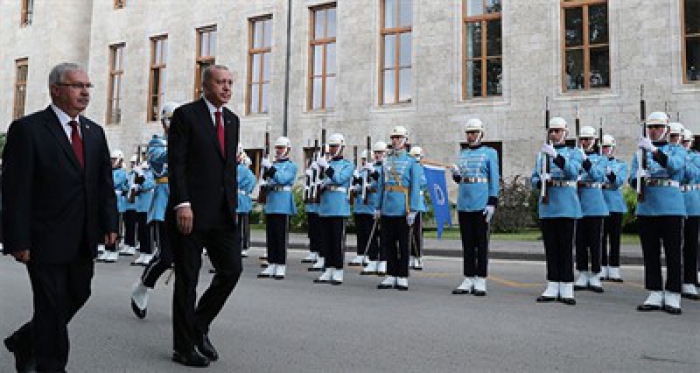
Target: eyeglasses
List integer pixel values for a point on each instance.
(656, 126)
(80, 86)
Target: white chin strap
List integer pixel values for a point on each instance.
(340, 148)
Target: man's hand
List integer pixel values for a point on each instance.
(185, 217)
(21, 256)
(111, 238)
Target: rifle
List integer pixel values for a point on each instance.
(365, 175)
(262, 194)
(318, 182)
(353, 193)
(137, 179)
(600, 137)
(544, 165)
(309, 182)
(578, 125)
(641, 153)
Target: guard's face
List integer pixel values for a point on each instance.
(472, 136)
(656, 132)
(674, 139)
(280, 151)
(586, 143)
(556, 135)
(688, 144)
(607, 150)
(378, 156)
(335, 150)
(73, 93)
(398, 142)
(218, 88)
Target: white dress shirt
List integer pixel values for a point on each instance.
(65, 120)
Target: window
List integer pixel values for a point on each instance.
(482, 63)
(156, 83)
(119, 4)
(206, 50)
(27, 13)
(22, 71)
(114, 93)
(322, 67)
(691, 40)
(259, 61)
(585, 44)
(395, 50)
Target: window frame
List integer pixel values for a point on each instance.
(157, 64)
(585, 47)
(266, 52)
(483, 19)
(384, 32)
(684, 42)
(324, 42)
(203, 61)
(115, 75)
(27, 13)
(20, 92)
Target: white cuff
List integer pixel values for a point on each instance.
(183, 204)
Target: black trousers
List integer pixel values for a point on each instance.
(690, 250)
(395, 231)
(244, 230)
(277, 234)
(113, 248)
(130, 227)
(333, 241)
(475, 243)
(163, 259)
(655, 231)
(612, 231)
(315, 237)
(589, 237)
(190, 322)
(59, 291)
(364, 224)
(136, 222)
(417, 241)
(558, 237)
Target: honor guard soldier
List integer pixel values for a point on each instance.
(660, 213)
(478, 176)
(157, 156)
(280, 176)
(129, 247)
(334, 208)
(246, 185)
(314, 221)
(364, 211)
(615, 176)
(691, 194)
(399, 205)
(110, 254)
(144, 197)
(416, 261)
(376, 262)
(555, 174)
(589, 229)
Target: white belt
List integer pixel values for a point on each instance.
(591, 185)
(609, 186)
(690, 187)
(278, 188)
(562, 184)
(334, 188)
(474, 180)
(662, 183)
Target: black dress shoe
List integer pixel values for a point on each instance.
(568, 301)
(479, 293)
(543, 299)
(578, 288)
(648, 308)
(140, 313)
(596, 289)
(190, 359)
(401, 288)
(672, 310)
(618, 280)
(312, 269)
(207, 349)
(385, 286)
(24, 359)
(460, 291)
(691, 296)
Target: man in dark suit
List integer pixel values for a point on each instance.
(202, 146)
(59, 203)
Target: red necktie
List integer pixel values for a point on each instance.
(77, 142)
(220, 132)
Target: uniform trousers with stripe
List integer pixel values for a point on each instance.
(690, 250)
(558, 237)
(244, 230)
(655, 232)
(395, 231)
(589, 237)
(277, 235)
(364, 224)
(612, 231)
(163, 259)
(475, 242)
(315, 237)
(333, 240)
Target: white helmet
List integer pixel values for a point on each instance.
(364, 154)
(416, 152)
(587, 132)
(379, 146)
(474, 124)
(166, 112)
(657, 118)
(557, 123)
(687, 135)
(399, 131)
(117, 154)
(133, 159)
(608, 140)
(675, 128)
(336, 139)
(283, 141)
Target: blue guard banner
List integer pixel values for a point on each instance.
(437, 186)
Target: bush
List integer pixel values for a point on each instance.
(515, 206)
(629, 220)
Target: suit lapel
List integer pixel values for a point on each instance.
(54, 126)
(210, 127)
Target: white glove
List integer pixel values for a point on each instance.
(549, 150)
(138, 170)
(643, 173)
(117, 192)
(135, 187)
(308, 173)
(608, 170)
(356, 174)
(454, 169)
(646, 144)
(584, 156)
(266, 163)
(411, 218)
(377, 214)
(369, 167)
(314, 166)
(488, 213)
(545, 177)
(322, 162)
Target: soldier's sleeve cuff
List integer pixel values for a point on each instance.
(184, 204)
(456, 178)
(493, 201)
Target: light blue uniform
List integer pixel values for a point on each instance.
(280, 199)
(335, 200)
(120, 183)
(400, 177)
(479, 177)
(563, 200)
(691, 184)
(612, 191)
(145, 196)
(662, 200)
(246, 184)
(311, 208)
(157, 156)
(590, 186)
(372, 198)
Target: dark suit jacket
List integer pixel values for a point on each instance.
(199, 173)
(52, 206)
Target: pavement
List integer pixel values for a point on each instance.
(295, 325)
(517, 250)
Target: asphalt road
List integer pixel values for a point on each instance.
(295, 325)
